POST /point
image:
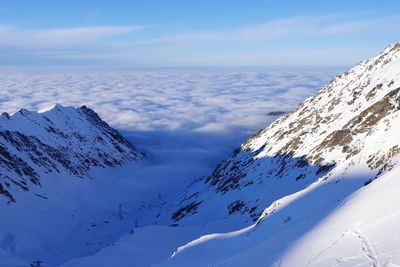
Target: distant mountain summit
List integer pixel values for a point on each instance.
(62, 140)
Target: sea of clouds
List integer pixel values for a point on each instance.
(185, 120)
(210, 100)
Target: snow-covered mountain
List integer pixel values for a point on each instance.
(63, 139)
(308, 181)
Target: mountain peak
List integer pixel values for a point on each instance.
(59, 140)
(394, 48)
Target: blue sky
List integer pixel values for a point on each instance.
(194, 33)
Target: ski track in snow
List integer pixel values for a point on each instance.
(322, 252)
(366, 247)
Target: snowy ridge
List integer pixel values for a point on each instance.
(62, 140)
(339, 115)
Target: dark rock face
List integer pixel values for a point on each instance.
(63, 139)
(189, 209)
(276, 113)
(243, 185)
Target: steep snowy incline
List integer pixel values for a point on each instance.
(348, 122)
(321, 226)
(61, 140)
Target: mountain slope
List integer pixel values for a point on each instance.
(61, 140)
(304, 166)
(348, 122)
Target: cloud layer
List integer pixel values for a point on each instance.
(217, 101)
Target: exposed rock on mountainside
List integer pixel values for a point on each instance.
(349, 122)
(63, 139)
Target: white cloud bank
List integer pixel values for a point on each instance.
(207, 101)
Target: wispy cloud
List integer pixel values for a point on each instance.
(296, 27)
(11, 36)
